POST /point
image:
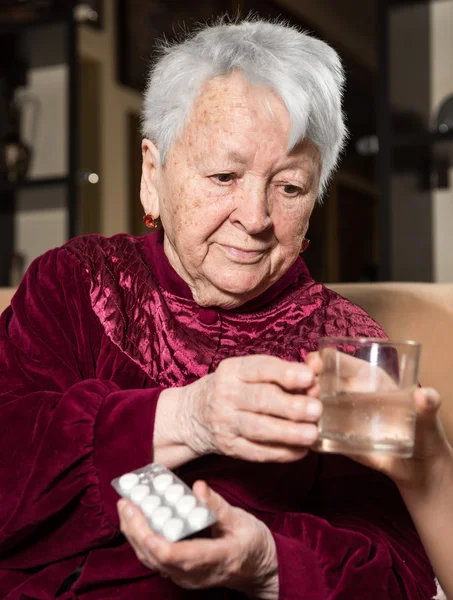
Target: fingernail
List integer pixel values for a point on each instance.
(432, 397)
(314, 409)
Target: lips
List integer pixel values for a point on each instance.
(243, 255)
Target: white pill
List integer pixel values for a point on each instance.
(173, 529)
(150, 503)
(160, 516)
(174, 493)
(128, 481)
(162, 482)
(138, 492)
(198, 518)
(185, 505)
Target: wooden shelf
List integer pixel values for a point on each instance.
(6, 187)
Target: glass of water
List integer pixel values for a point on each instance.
(367, 390)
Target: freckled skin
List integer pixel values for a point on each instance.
(262, 202)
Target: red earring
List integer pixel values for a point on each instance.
(305, 245)
(150, 221)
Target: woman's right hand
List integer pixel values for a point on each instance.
(253, 407)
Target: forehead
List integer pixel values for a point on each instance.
(235, 119)
(222, 95)
(231, 108)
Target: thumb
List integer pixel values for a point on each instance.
(427, 403)
(432, 439)
(213, 501)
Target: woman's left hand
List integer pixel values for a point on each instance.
(431, 448)
(241, 555)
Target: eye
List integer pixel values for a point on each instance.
(292, 190)
(223, 177)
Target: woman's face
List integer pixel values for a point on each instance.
(234, 204)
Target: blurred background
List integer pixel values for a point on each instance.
(71, 77)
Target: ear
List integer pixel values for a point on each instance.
(149, 195)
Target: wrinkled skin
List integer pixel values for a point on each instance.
(234, 204)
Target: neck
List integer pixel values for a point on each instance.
(204, 293)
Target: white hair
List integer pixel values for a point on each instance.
(305, 72)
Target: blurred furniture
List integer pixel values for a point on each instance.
(414, 152)
(55, 92)
(44, 46)
(417, 311)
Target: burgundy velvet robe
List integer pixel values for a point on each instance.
(96, 330)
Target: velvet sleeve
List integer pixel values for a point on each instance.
(62, 430)
(356, 541)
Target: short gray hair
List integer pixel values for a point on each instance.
(305, 72)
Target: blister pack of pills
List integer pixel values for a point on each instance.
(170, 506)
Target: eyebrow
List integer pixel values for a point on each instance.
(297, 165)
(294, 164)
(237, 157)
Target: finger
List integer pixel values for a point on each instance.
(260, 368)
(133, 521)
(127, 513)
(314, 361)
(158, 554)
(346, 365)
(134, 526)
(314, 391)
(213, 501)
(188, 555)
(265, 429)
(427, 403)
(269, 399)
(343, 364)
(334, 361)
(357, 373)
(256, 452)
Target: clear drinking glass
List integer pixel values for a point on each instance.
(367, 391)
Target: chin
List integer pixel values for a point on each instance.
(239, 292)
(228, 293)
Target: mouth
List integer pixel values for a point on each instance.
(243, 255)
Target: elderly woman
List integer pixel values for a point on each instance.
(188, 346)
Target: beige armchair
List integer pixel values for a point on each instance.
(5, 297)
(417, 311)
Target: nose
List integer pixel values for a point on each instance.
(252, 212)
